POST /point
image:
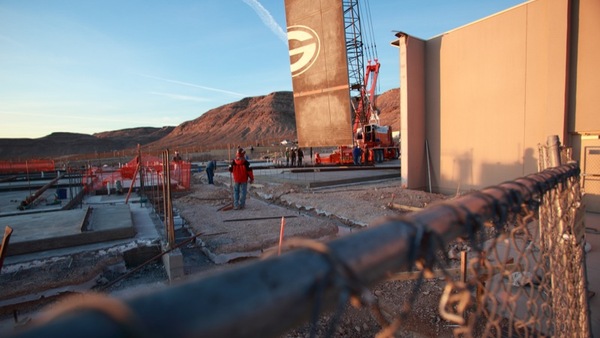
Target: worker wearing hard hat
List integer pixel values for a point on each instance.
(242, 174)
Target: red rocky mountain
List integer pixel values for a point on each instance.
(261, 119)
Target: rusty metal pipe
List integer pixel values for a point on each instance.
(5, 240)
(257, 218)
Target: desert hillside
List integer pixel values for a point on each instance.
(250, 120)
(260, 119)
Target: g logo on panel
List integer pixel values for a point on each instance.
(307, 49)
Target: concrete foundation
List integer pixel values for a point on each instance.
(173, 263)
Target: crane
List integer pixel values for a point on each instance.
(363, 84)
(323, 80)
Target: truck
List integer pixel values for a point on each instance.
(375, 140)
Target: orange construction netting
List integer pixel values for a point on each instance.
(30, 166)
(151, 169)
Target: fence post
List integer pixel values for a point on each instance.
(562, 243)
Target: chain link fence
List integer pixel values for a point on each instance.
(524, 275)
(528, 279)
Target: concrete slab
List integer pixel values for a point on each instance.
(144, 222)
(30, 227)
(35, 232)
(315, 177)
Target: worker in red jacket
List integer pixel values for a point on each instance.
(242, 174)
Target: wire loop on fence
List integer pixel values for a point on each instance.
(517, 201)
(474, 224)
(530, 198)
(342, 275)
(342, 301)
(422, 253)
(502, 206)
(535, 189)
(494, 209)
(417, 242)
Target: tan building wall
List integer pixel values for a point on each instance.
(495, 89)
(584, 98)
(585, 65)
(412, 126)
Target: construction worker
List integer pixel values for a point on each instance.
(300, 156)
(210, 170)
(177, 157)
(242, 174)
(287, 156)
(356, 154)
(293, 156)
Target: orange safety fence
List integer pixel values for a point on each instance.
(149, 162)
(30, 166)
(181, 173)
(151, 170)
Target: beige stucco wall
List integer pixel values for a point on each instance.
(584, 123)
(412, 126)
(502, 91)
(585, 88)
(494, 90)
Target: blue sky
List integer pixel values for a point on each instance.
(91, 66)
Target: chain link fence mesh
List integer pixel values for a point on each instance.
(524, 275)
(528, 280)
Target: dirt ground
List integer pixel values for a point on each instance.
(325, 213)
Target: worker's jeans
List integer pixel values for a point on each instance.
(239, 194)
(210, 173)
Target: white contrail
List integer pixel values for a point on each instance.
(193, 85)
(268, 19)
(10, 41)
(181, 97)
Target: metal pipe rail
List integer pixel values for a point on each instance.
(269, 297)
(30, 199)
